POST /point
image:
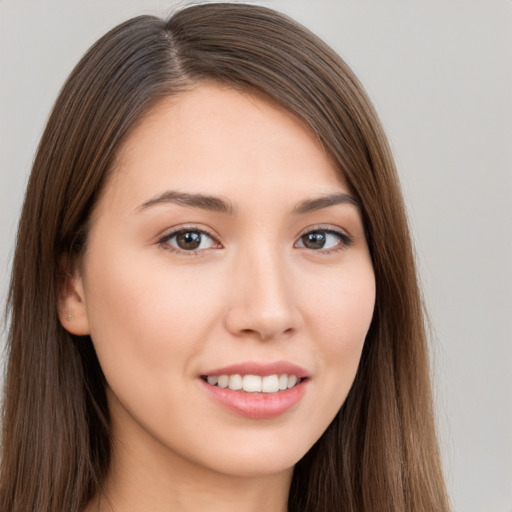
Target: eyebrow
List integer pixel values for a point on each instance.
(311, 205)
(216, 204)
(204, 202)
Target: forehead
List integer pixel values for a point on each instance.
(219, 138)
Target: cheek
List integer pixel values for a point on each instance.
(340, 318)
(144, 315)
(343, 308)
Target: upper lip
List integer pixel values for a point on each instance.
(260, 368)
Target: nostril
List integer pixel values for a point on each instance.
(272, 333)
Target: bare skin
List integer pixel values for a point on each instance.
(271, 269)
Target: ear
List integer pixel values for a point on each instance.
(72, 308)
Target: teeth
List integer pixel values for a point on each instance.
(223, 381)
(235, 382)
(270, 384)
(254, 383)
(292, 380)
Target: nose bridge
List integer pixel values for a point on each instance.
(263, 301)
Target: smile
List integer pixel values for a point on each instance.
(253, 383)
(257, 390)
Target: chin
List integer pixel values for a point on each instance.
(267, 454)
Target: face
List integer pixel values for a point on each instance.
(227, 285)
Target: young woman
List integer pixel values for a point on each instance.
(214, 303)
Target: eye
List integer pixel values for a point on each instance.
(323, 240)
(189, 240)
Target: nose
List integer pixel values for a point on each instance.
(262, 299)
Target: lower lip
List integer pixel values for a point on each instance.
(257, 405)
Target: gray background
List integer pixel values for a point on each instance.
(440, 74)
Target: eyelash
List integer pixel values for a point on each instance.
(164, 241)
(345, 240)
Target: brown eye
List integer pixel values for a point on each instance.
(189, 240)
(314, 240)
(323, 239)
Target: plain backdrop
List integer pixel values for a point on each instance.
(440, 75)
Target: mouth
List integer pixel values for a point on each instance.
(254, 383)
(257, 390)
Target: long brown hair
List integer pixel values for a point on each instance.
(380, 453)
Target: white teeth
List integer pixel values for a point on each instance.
(270, 384)
(223, 381)
(292, 380)
(235, 382)
(254, 383)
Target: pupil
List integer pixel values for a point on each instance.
(188, 240)
(314, 240)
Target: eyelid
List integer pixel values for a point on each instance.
(163, 239)
(346, 240)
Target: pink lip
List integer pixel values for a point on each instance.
(258, 405)
(261, 369)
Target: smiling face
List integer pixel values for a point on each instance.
(225, 248)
